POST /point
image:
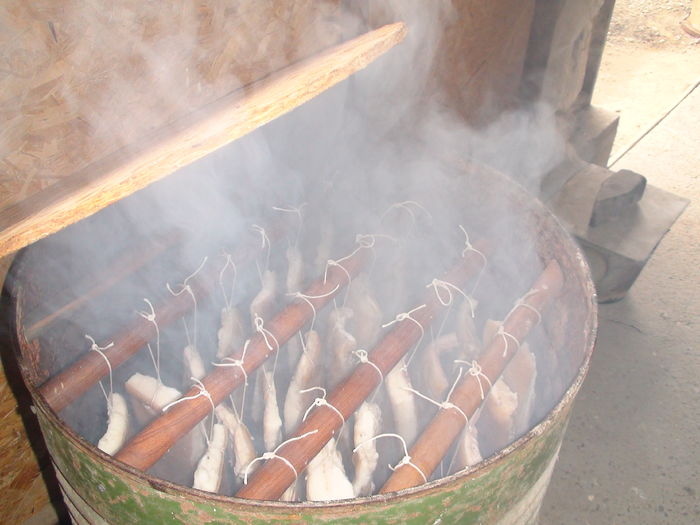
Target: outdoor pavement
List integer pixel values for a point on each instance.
(631, 454)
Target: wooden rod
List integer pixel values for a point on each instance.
(127, 263)
(432, 445)
(147, 447)
(176, 145)
(273, 478)
(63, 388)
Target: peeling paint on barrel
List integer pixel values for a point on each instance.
(110, 492)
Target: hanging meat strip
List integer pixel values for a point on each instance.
(367, 425)
(117, 424)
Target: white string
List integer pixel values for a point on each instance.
(405, 205)
(229, 361)
(202, 393)
(260, 328)
(273, 454)
(151, 317)
(308, 298)
(476, 372)
(366, 241)
(521, 302)
(187, 332)
(329, 263)
(445, 405)
(319, 402)
(296, 211)
(265, 333)
(100, 350)
(265, 242)
(407, 316)
(469, 247)
(107, 397)
(237, 362)
(406, 460)
(362, 241)
(228, 300)
(505, 335)
(438, 285)
(364, 358)
(187, 288)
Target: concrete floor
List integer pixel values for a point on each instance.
(632, 450)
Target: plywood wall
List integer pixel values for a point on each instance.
(82, 78)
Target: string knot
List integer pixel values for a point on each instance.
(202, 392)
(264, 239)
(476, 372)
(100, 350)
(363, 357)
(406, 460)
(148, 316)
(522, 303)
(273, 454)
(438, 285)
(468, 247)
(407, 316)
(445, 405)
(365, 240)
(265, 333)
(319, 402)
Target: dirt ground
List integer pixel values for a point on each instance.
(648, 64)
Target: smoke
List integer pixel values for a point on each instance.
(348, 160)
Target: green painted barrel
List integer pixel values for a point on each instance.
(506, 488)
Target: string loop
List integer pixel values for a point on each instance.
(407, 316)
(476, 372)
(406, 460)
(185, 287)
(521, 302)
(265, 333)
(406, 205)
(505, 335)
(228, 299)
(151, 318)
(445, 405)
(363, 357)
(438, 285)
(100, 350)
(307, 299)
(319, 402)
(273, 454)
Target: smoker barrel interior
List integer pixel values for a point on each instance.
(507, 487)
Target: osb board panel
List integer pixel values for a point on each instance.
(21, 484)
(81, 78)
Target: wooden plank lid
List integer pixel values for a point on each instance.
(187, 139)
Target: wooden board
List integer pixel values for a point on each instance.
(79, 79)
(21, 484)
(131, 168)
